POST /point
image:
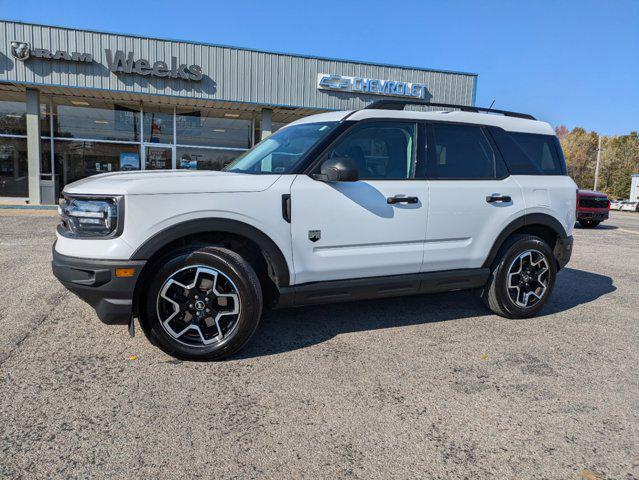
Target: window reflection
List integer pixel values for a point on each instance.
(277, 125)
(13, 167)
(76, 160)
(94, 119)
(158, 158)
(158, 125)
(205, 158)
(97, 135)
(13, 115)
(213, 128)
(45, 156)
(13, 119)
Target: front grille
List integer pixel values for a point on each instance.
(593, 202)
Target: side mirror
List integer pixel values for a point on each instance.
(339, 169)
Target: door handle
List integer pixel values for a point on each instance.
(498, 197)
(401, 199)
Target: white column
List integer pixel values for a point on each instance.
(266, 123)
(33, 144)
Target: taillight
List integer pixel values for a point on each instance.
(576, 199)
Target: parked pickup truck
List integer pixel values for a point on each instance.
(592, 208)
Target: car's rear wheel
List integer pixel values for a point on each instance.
(522, 278)
(589, 223)
(203, 304)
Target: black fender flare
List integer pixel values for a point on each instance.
(271, 251)
(523, 221)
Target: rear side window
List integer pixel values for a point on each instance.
(459, 152)
(530, 153)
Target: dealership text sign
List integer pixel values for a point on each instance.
(23, 51)
(373, 86)
(117, 62)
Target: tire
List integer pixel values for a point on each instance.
(213, 317)
(589, 223)
(496, 294)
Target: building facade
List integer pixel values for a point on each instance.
(75, 103)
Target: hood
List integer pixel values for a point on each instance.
(155, 182)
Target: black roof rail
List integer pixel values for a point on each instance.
(400, 104)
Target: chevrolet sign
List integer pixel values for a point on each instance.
(369, 86)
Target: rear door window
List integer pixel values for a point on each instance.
(530, 153)
(459, 152)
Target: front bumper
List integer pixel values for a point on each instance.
(597, 216)
(94, 281)
(563, 251)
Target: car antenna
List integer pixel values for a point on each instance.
(491, 105)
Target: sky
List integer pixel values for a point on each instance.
(574, 63)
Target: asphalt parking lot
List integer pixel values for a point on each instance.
(418, 387)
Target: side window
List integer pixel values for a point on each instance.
(382, 150)
(458, 151)
(529, 153)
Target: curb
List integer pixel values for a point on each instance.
(28, 207)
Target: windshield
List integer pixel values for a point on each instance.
(280, 152)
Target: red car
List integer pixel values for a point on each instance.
(592, 208)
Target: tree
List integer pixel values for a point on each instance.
(619, 159)
(622, 161)
(562, 131)
(580, 150)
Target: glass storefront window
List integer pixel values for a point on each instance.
(91, 136)
(213, 129)
(45, 156)
(13, 119)
(13, 114)
(76, 160)
(95, 119)
(14, 180)
(158, 158)
(158, 125)
(204, 158)
(45, 113)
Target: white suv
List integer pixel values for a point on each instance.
(335, 207)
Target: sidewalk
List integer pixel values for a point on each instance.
(13, 207)
(22, 204)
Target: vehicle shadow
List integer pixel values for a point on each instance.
(292, 329)
(598, 227)
(576, 287)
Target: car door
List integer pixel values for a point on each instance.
(472, 197)
(368, 228)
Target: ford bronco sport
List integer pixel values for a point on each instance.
(337, 206)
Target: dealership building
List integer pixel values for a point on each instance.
(75, 103)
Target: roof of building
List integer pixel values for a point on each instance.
(298, 55)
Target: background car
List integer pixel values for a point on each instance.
(615, 204)
(630, 206)
(592, 208)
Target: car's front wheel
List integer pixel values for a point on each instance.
(203, 304)
(522, 278)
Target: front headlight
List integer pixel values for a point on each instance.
(88, 216)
